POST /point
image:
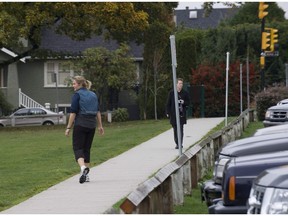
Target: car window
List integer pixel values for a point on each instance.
(21, 112)
(37, 111)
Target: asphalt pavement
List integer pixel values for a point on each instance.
(115, 178)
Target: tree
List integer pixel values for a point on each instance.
(188, 43)
(156, 40)
(213, 79)
(78, 20)
(248, 13)
(109, 71)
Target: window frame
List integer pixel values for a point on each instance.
(56, 70)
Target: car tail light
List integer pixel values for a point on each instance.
(232, 188)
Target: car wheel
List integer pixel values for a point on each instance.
(48, 123)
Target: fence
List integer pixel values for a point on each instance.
(168, 186)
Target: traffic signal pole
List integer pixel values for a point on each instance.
(262, 72)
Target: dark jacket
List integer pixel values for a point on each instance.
(170, 106)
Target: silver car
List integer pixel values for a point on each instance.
(33, 116)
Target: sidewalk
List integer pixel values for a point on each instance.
(115, 178)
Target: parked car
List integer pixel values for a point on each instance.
(33, 116)
(272, 130)
(276, 115)
(285, 101)
(269, 192)
(212, 189)
(238, 177)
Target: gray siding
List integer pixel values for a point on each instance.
(31, 82)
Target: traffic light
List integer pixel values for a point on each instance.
(262, 12)
(274, 38)
(265, 43)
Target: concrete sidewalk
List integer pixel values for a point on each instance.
(115, 178)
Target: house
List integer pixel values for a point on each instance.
(196, 19)
(31, 81)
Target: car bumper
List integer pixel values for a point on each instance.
(210, 191)
(220, 208)
(270, 123)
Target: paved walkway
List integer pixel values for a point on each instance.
(115, 178)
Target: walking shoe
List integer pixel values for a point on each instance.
(84, 175)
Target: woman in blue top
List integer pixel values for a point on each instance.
(84, 115)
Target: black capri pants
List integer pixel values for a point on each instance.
(82, 142)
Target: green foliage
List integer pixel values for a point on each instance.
(107, 70)
(120, 115)
(188, 46)
(248, 13)
(269, 97)
(26, 20)
(5, 107)
(155, 73)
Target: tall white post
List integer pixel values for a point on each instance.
(226, 102)
(241, 105)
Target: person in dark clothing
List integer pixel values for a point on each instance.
(183, 102)
(84, 115)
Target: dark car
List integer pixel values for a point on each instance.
(269, 193)
(238, 177)
(212, 188)
(33, 116)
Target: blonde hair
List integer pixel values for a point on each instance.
(83, 82)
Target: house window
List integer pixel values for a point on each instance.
(56, 70)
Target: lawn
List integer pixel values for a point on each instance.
(36, 158)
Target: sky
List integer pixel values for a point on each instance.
(197, 5)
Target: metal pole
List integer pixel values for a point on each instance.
(247, 71)
(226, 102)
(57, 95)
(241, 105)
(174, 65)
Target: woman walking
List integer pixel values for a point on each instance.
(84, 115)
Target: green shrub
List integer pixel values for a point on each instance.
(120, 115)
(269, 97)
(5, 107)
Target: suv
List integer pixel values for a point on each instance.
(276, 115)
(238, 176)
(271, 130)
(269, 192)
(212, 188)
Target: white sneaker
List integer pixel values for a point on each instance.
(83, 175)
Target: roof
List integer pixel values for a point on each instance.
(199, 21)
(58, 43)
(10, 53)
